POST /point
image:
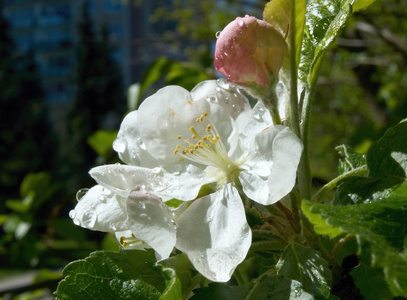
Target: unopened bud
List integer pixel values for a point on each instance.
(250, 52)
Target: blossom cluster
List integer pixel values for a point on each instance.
(191, 160)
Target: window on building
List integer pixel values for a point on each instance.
(117, 56)
(113, 5)
(58, 64)
(115, 31)
(54, 15)
(22, 18)
(24, 42)
(57, 91)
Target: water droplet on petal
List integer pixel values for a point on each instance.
(81, 193)
(102, 198)
(72, 214)
(142, 205)
(119, 145)
(209, 218)
(240, 22)
(213, 99)
(106, 192)
(223, 83)
(218, 34)
(89, 219)
(158, 171)
(77, 222)
(113, 227)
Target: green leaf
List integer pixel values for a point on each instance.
(101, 141)
(185, 75)
(264, 288)
(325, 20)
(361, 4)
(370, 280)
(39, 186)
(279, 14)
(174, 286)
(350, 160)
(177, 272)
(173, 72)
(21, 206)
(388, 156)
(129, 274)
(382, 223)
(220, 291)
(154, 73)
(306, 266)
(387, 163)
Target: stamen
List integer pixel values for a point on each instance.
(179, 137)
(208, 150)
(126, 241)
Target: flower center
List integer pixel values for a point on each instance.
(207, 149)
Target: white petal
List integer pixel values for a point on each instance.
(259, 119)
(122, 179)
(255, 186)
(287, 150)
(163, 117)
(149, 219)
(225, 94)
(100, 209)
(247, 128)
(129, 145)
(254, 177)
(214, 233)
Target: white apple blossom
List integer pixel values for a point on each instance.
(176, 142)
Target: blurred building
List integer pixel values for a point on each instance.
(49, 28)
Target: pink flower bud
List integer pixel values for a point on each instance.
(250, 52)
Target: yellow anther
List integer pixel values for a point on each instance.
(266, 128)
(194, 136)
(184, 152)
(188, 141)
(179, 137)
(205, 114)
(198, 120)
(205, 138)
(208, 127)
(175, 151)
(191, 151)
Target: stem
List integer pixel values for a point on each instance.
(304, 171)
(276, 245)
(340, 243)
(294, 197)
(363, 170)
(295, 125)
(193, 284)
(264, 234)
(271, 104)
(238, 276)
